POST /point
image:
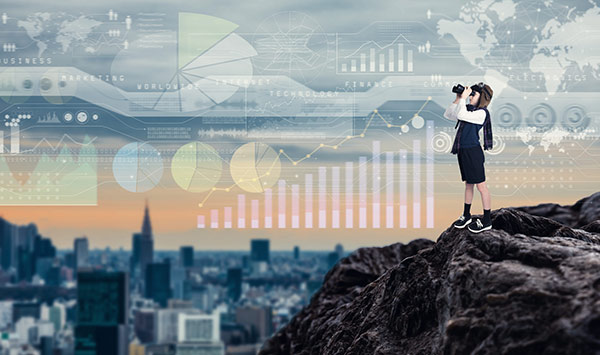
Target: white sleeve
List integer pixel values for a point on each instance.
(450, 112)
(477, 116)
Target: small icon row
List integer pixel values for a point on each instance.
(14, 120)
(9, 47)
(81, 117)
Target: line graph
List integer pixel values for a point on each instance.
(321, 146)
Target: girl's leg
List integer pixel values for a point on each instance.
(468, 200)
(468, 193)
(486, 199)
(465, 219)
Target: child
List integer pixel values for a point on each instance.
(470, 118)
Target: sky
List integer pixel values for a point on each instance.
(526, 168)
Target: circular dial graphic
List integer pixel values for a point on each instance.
(82, 117)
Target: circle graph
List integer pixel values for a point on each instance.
(196, 167)
(255, 167)
(201, 65)
(138, 167)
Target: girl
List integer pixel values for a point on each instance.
(470, 118)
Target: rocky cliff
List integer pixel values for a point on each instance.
(531, 285)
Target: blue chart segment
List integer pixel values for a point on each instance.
(138, 167)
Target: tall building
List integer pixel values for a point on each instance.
(6, 244)
(199, 334)
(179, 276)
(144, 320)
(332, 259)
(81, 250)
(70, 260)
(43, 259)
(25, 263)
(234, 283)
(46, 345)
(259, 250)
(158, 282)
(167, 322)
(57, 315)
(186, 256)
(134, 261)
(257, 320)
(146, 247)
(296, 253)
(102, 313)
(202, 295)
(198, 327)
(339, 249)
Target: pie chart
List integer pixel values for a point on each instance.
(196, 167)
(138, 167)
(201, 65)
(255, 167)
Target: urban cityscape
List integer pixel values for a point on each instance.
(147, 301)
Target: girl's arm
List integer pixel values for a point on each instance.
(450, 112)
(477, 116)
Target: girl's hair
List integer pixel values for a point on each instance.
(485, 96)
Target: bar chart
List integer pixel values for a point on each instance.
(346, 196)
(370, 57)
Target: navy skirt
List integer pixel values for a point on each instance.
(470, 162)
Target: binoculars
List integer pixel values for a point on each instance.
(458, 89)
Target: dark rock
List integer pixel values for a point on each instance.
(584, 211)
(531, 285)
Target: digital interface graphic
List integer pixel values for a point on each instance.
(291, 125)
(309, 124)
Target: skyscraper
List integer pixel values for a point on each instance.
(234, 283)
(146, 243)
(296, 253)
(102, 313)
(339, 249)
(158, 282)
(6, 244)
(186, 256)
(258, 320)
(80, 249)
(25, 264)
(134, 261)
(259, 250)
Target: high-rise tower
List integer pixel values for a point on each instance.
(142, 252)
(146, 243)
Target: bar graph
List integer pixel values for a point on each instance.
(369, 57)
(347, 195)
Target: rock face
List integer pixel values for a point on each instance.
(531, 285)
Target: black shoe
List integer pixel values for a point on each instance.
(462, 222)
(478, 226)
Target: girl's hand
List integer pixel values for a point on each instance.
(466, 93)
